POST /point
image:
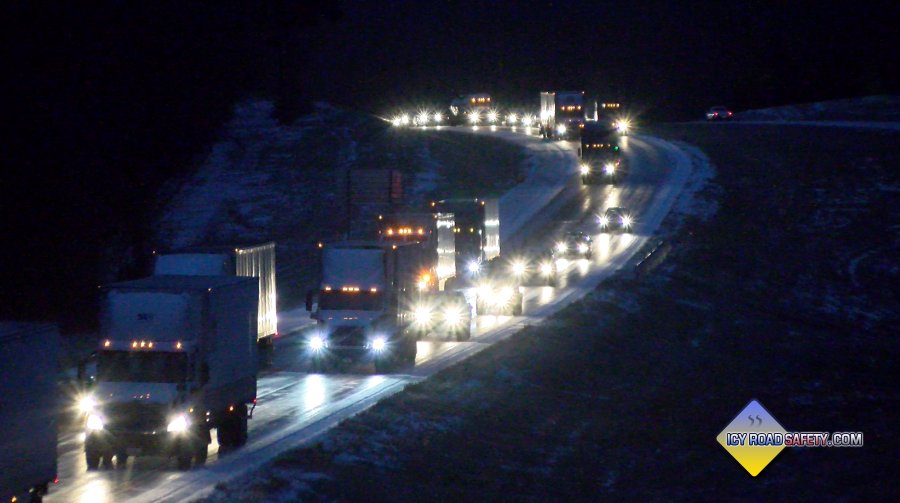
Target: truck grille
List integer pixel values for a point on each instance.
(348, 337)
(135, 416)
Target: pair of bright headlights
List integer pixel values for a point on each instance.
(177, 424)
(609, 168)
(318, 343)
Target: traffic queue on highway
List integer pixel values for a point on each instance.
(177, 354)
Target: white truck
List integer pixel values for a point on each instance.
(562, 114)
(177, 356)
(361, 310)
(28, 410)
(250, 261)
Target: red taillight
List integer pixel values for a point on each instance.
(729, 114)
(56, 480)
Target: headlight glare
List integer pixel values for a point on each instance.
(94, 422)
(178, 424)
(379, 344)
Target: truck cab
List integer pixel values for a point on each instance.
(600, 152)
(360, 310)
(177, 356)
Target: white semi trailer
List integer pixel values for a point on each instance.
(177, 356)
(28, 410)
(250, 261)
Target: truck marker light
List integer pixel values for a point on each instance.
(107, 343)
(231, 408)
(94, 422)
(143, 344)
(327, 288)
(133, 344)
(321, 245)
(373, 290)
(178, 345)
(150, 344)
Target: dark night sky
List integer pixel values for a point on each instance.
(108, 100)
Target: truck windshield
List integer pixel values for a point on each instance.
(141, 366)
(350, 301)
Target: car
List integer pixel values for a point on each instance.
(499, 288)
(616, 219)
(718, 113)
(575, 244)
(445, 313)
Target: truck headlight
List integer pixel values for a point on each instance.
(87, 404)
(585, 169)
(609, 169)
(562, 247)
(623, 126)
(518, 268)
(317, 343)
(504, 295)
(178, 424)
(626, 222)
(604, 221)
(492, 116)
(423, 118)
(379, 344)
(474, 266)
(582, 248)
(546, 269)
(453, 315)
(484, 291)
(561, 129)
(94, 422)
(474, 117)
(422, 315)
(438, 118)
(526, 121)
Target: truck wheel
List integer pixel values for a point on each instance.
(121, 459)
(92, 457)
(240, 426)
(106, 460)
(201, 451)
(464, 334)
(224, 434)
(37, 496)
(184, 458)
(517, 309)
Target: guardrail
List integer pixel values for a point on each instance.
(652, 259)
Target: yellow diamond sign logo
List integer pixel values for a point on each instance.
(752, 438)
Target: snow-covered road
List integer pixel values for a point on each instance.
(295, 406)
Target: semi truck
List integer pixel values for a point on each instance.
(256, 261)
(469, 109)
(435, 232)
(362, 305)
(563, 114)
(476, 233)
(28, 409)
(600, 153)
(498, 289)
(177, 357)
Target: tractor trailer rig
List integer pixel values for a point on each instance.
(476, 233)
(177, 357)
(563, 114)
(600, 153)
(362, 305)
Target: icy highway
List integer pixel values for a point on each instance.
(296, 405)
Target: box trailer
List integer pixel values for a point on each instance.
(28, 409)
(256, 261)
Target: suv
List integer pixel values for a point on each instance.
(718, 113)
(574, 244)
(616, 219)
(444, 313)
